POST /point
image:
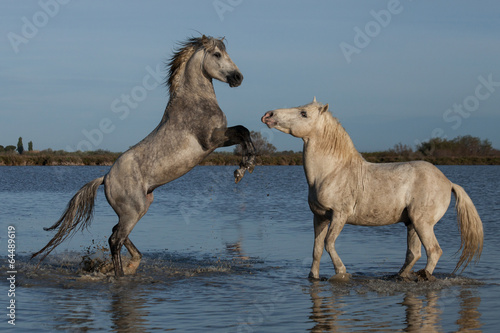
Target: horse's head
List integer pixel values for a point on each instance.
(205, 53)
(217, 64)
(298, 121)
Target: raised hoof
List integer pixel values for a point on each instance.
(238, 175)
(424, 275)
(340, 277)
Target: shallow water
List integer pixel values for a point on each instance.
(234, 258)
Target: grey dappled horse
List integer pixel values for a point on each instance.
(192, 127)
(344, 188)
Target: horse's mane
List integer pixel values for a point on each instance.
(335, 140)
(177, 62)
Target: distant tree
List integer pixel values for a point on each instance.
(2, 148)
(460, 146)
(10, 148)
(30, 146)
(262, 146)
(20, 148)
(402, 150)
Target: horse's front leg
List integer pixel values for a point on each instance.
(336, 226)
(320, 230)
(240, 135)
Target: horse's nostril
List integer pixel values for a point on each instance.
(267, 116)
(234, 79)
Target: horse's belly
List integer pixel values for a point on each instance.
(381, 215)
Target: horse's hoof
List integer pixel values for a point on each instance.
(408, 277)
(404, 278)
(424, 275)
(107, 268)
(340, 277)
(238, 175)
(119, 274)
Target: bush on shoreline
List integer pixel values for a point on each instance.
(463, 150)
(50, 157)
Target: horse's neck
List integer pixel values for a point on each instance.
(317, 164)
(193, 89)
(320, 162)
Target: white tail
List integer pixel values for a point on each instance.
(470, 226)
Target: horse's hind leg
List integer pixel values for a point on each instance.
(129, 214)
(118, 238)
(413, 252)
(432, 249)
(136, 257)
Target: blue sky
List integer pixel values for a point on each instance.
(392, 71)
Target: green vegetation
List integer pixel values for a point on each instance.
(60, 157)
(279, 158)
(462, 150)
(20, 147)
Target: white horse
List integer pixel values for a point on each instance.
(344, 188)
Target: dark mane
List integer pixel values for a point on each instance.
(184, 51)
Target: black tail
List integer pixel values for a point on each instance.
(80, 209)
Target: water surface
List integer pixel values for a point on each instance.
(234, 258)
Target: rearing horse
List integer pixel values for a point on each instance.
(192, 127)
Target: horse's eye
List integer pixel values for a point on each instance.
(303, 114)
(217, 55)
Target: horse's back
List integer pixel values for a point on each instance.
(427, 190)
(390, 192)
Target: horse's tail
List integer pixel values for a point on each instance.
(470, 226)
(80, 209)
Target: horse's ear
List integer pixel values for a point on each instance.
(324, 108)
(314, 99)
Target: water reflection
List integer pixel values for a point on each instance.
(469, 314)
(334, 309)
(74, 312)
(128, 310)
(422, 312)
(327, 309)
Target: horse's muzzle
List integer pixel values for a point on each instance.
(234, 79)
(267, 119)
